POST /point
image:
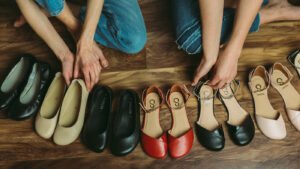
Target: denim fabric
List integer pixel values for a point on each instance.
(187, 24)
(121, 25)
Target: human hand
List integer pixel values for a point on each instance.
(89, 63)
(67, 63)
(225, 68)
(203, 68)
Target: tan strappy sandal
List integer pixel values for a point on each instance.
(281, 80)
(269, 121)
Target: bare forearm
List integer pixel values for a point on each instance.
(42, 26)
(211, 17)
(246, 12)
(94, 9)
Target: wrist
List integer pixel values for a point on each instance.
(65, 55)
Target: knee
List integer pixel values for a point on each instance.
(190, 41)
(53, 7)
(133, 42)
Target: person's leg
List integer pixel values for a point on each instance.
(186, 19)
(279, 10)
(121, 26)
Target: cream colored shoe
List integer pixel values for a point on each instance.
(281, 80)
(72, 114)
(269, 121)
(46, 119)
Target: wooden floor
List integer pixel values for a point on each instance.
(21, 148)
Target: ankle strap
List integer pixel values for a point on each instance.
(183, 90)
(197, 88)
(147, 91)
(266, 78)
(234, 86)
(284, 70)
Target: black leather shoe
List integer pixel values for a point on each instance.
(242, 134)
(29, 100)
(15, 80)
(126, 124)
(95, 131)
(212, 140)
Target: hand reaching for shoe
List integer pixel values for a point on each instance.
(223, 68)
(89, 63)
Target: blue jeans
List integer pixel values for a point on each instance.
(121, 25)
(186, 19)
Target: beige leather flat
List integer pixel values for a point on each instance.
(281, 80)
(46, 118)
(72, 113)
(269, 121)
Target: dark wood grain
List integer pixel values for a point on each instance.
(163, 64)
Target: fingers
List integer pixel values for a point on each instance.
(87, 77)
(67, 76)
(76, 70)
(103, 60)
(201, 71)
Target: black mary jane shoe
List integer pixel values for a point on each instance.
(15, 80)
(212, 139)
(30, 98)
(95, 132)
(125, 131)
(240, 125)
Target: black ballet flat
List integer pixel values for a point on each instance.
(95, 132)
(30, 98)
(126, 124)
(15, 81)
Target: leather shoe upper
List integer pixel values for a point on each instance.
(212, 140)
(15, 81)
(96, 127)
(243, 133)
(126, 124)
(32, 95)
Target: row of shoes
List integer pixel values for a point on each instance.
(178, 140)
(62, 116)
(23, 89)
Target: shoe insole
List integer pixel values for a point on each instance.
(289, 94)
(13, 77)
(126, 121)
(180, 120)
(53, 99)
(236, 114)
(98, 120)
(262, 103)
(32, 87)
(297, 63)
(70, 106)
(207, 118)
(151, 125)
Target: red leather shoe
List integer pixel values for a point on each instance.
(181, 135)
(153, 138)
